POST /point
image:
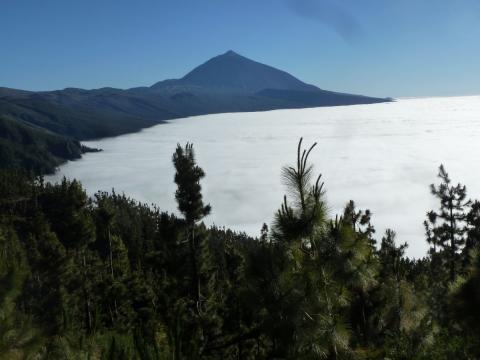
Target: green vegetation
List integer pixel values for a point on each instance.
(80, 114)
(23, 146)
(110, 278)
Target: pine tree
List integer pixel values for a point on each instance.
(190, 203)
(473, 232)
(50, 272)
(312, 309)
(464, 302)
(298, 221)
(446, 229)
(18, 338)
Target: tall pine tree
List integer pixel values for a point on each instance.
(446, 228)
(190, 203)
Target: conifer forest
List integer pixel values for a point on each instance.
(107, 277)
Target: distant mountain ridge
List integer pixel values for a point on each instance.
(226, 83)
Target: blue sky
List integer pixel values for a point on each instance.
(394, 48)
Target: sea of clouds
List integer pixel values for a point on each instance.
(383, 156)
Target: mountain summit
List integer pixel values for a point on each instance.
(233, 72)
(236, 83)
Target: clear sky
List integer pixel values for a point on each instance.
(394, 48)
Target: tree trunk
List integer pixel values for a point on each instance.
(195, 277)
(110, 251)
(87, 297)
(452, 245)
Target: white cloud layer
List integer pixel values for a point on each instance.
(383, 156)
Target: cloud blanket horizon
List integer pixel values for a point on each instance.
(382, 156)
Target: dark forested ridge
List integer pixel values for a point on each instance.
(226, 83)
(109, 278)
(34, 149)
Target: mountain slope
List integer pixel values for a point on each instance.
(33, 149)
(233, 72)
(246, 85)
(83, 114)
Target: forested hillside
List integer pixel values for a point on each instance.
(110, 278)
(35, 149)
